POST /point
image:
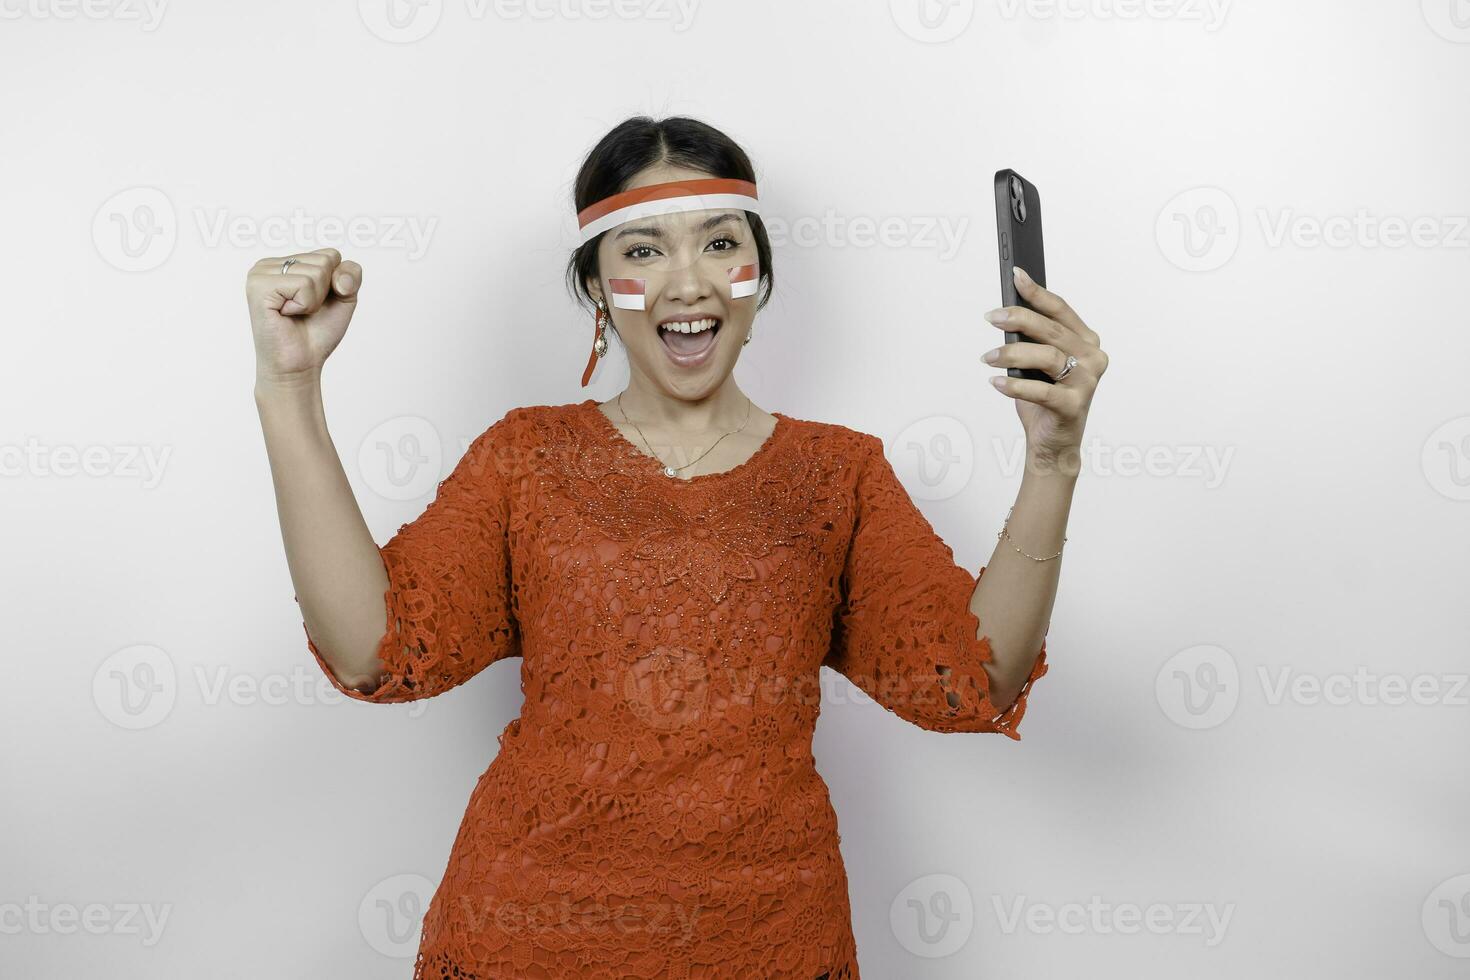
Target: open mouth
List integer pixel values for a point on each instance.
(689, 338)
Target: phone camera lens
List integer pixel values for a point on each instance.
(1018, 199)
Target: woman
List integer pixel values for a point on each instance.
(673, 565)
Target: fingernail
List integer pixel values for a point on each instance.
(998, 316)
(991, 356)
(1021, 276)
(999, 381)
(342, 282)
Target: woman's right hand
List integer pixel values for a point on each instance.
(300, 316)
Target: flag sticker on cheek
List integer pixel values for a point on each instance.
(627, 294)
(743, 279)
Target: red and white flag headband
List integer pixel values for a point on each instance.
(666, 198)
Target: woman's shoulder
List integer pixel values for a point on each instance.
(832, 436)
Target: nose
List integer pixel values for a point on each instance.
(689, 284)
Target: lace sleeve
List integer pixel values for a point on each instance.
(448, 604)
(903, 631)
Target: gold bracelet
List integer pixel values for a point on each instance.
(1007, 533)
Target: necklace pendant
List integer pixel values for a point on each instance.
(670, 471)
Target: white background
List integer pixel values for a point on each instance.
(1301, 406)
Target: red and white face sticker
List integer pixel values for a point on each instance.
(627, 294)
(743, 280)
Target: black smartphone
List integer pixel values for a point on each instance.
(1018, 240)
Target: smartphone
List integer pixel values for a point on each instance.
(1018, 237)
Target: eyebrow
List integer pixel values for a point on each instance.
(652, 232)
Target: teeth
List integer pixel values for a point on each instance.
(693, 326)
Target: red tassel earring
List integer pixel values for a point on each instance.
(599, 342)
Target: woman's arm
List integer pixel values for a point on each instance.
(334, 563)
(1014, 597)
(298, 316)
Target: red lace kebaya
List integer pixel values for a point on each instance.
(655, 810)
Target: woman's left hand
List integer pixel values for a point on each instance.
(1053, 415)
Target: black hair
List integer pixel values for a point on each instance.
(639, 142)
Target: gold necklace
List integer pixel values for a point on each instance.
(674, 470)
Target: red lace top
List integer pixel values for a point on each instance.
(655, 810)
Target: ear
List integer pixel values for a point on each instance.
(594, 287)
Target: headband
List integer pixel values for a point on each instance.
(666, 198)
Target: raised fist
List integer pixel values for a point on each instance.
(300, 306)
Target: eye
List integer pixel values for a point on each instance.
(649, 251)
(726, 238)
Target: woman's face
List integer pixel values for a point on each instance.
(683, 261)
